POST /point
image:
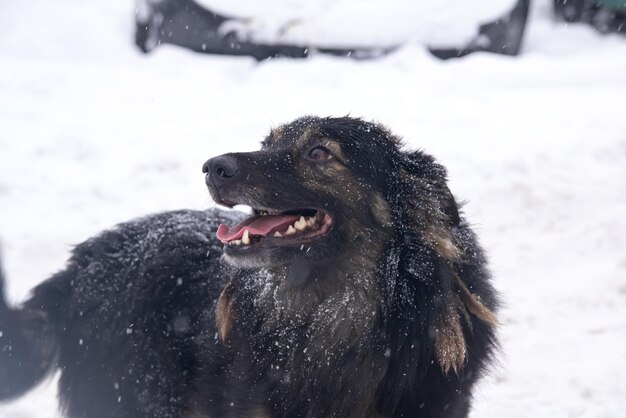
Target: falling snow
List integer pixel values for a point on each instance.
(94, 133)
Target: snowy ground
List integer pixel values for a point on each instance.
(93, 133)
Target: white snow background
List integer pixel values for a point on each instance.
(93, 133)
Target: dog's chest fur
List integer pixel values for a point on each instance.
(305, 342)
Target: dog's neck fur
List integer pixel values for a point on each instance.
(306, 292)
(323, 298)
(338, 305)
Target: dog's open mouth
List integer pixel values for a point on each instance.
(271, 228)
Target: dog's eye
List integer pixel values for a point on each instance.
(320, 154)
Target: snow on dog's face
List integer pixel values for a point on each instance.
(315, 190)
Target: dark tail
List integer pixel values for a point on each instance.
(28, 346)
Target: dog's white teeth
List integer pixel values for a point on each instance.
(300, 224)
(236, 242)
(291, 230)
(246, 238)
(278, 234)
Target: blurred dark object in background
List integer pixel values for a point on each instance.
(504, 36)
(188, 24)
(607, 16)
(185, 23)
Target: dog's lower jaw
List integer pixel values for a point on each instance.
(251, 261)
(265, 258)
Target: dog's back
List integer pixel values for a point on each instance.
(121, 319)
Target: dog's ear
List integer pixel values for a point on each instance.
(429, 208)
(426, 203)
(424, 166)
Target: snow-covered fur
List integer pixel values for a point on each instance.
(120, 321)
(388, 315)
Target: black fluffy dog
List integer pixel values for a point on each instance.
(122, 320)
(359, 292)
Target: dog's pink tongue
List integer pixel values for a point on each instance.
(260, 225)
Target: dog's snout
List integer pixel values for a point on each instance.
(221, 169)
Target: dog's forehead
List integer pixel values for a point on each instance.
(351, 133)
(292, 133)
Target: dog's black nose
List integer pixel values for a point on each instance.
(220, 169)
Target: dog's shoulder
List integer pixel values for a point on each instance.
(136, 297)
(167, 250)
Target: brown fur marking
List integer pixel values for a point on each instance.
(260, 413)
(335, 148)
(224, 317)
(332, 177)
(337, 172)
(275, 135)
(443, 243)
(304, 138)
(450, 344)
(380, 209)
(474, 305)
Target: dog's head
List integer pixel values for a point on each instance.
(321, 187)
(340, 201)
